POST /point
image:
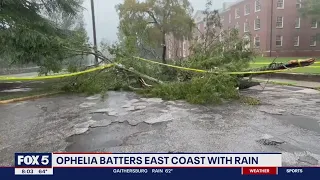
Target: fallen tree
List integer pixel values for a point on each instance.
(214, 49)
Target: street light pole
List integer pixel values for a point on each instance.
(94, 32)
(271, 28)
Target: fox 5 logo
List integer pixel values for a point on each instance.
(33, 159)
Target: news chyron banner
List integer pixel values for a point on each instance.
(153, 165)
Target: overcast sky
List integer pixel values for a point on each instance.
(107, 19)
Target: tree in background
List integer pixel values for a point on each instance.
(73, 23)
(28, 33)
(311, 8)
(144, 25)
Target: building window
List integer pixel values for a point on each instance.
(257, 6)
(247, 9)
(257, 24)
(246, 41)
(313, 41)
(237, 27)
(297, 23)
(246, 27)
(229, 18)
(221, 36)
(298, 4)
(237, 13)
(184, 49)
(279, 40)
(280, 4)
(279, 22)
(257, 42)
(296, 41)
(169, 50)
(314, 23)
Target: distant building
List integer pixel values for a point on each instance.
(177, 48)
(276, 26)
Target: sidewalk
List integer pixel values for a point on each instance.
(307, 84)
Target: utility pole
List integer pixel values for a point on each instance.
(94, 32)
(271, 28)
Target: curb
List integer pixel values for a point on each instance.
(276, 83)
(293, 76)
(27, 98)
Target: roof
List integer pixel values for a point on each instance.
(226, 7)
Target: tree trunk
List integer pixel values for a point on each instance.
(164, 48)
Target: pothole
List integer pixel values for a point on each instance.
(308, 159)
(268, 142)
(113, 135)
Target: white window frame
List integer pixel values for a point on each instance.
(237, 26)
(297, 27)
(298, 41)
(315, 42)
(281, 39)
(282, 4)
(255, 6)
(277, 22)
(220, 36)
(184, 48)
(244, 27)
(180, 55)
(255, 41)
(236, 14)
(247, 46)
(255, 27)
(169, 50)
(298, 3)
(314, 27)
(245, 9)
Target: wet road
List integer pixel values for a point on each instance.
(287, 121)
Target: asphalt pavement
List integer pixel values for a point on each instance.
(286, 121)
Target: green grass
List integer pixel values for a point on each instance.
(264, 61)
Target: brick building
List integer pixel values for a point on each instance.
(273, 24)
(177, 49)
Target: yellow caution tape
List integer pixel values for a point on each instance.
(266, 63)
(205, 71)
(7, 78)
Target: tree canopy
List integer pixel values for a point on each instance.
(311, 8)
(28, 33)
(145, 24)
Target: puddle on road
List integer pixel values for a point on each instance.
(301, 121)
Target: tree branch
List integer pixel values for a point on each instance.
(120, 66)
(155, 20)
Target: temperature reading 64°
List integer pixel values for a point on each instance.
(43, 171)
(168, 171)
